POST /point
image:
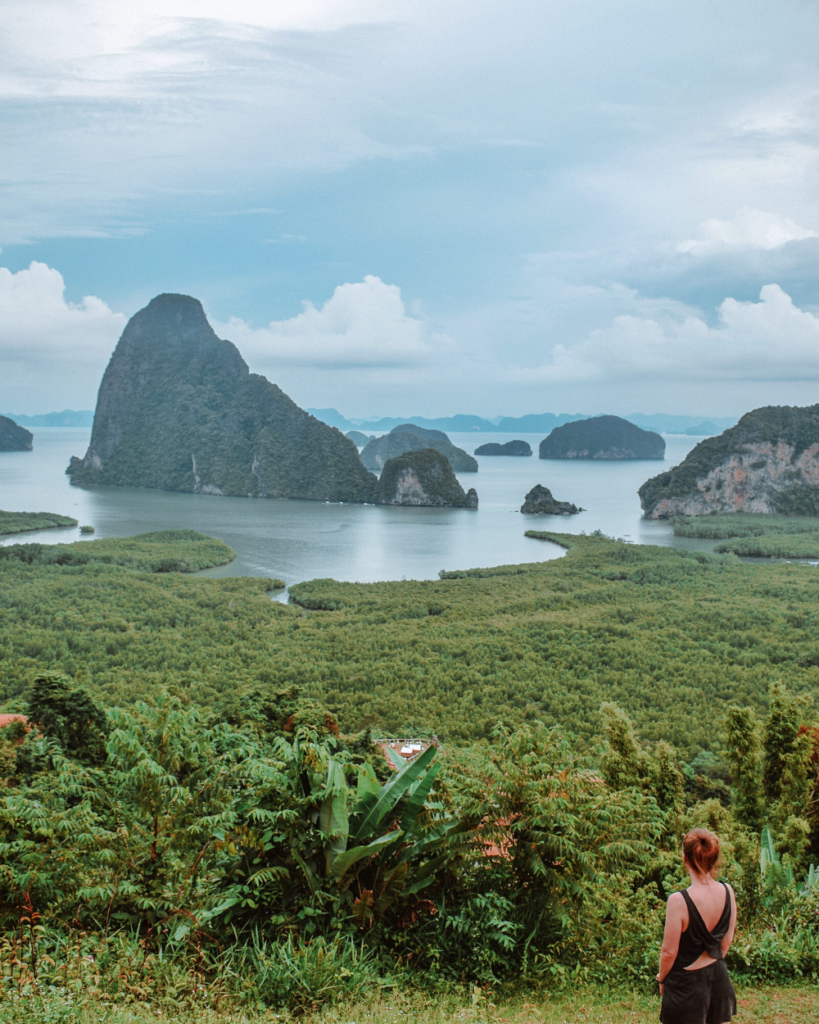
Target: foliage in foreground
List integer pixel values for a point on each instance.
(661, 632)
(21, 522)
(254, 856)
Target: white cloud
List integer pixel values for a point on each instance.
(52, 352)
(37, 322)
(748, 228)
(769, 340)
(363, 325)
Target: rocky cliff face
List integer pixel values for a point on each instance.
(14, 438)
(179, 410)
(602, 437)
(768, 462)
(539, 501)
(409, 438)
(422, 477)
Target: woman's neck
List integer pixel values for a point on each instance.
(704, 880)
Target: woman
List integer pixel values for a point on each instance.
(699, 928)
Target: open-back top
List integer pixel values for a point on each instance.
(697, 939)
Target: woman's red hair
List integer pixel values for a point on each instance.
(701, 849)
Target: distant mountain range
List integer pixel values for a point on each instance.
(534, 423)
(66, 418)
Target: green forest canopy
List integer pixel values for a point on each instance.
(673, 637)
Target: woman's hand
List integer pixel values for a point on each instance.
(661, 984)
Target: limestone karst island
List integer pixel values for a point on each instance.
(768, 462)
(14, 438)
(179, 410)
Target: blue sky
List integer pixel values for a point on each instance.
(425, 207)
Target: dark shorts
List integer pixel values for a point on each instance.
(704, 996)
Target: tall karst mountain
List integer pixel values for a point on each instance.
(768, 462)
(179, 410)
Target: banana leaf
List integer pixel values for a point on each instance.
(419, 794)
(767, 851)
(367, 782)
(333, 817)
(389, 795)
(344, 861)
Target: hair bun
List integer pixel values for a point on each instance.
(701, 849)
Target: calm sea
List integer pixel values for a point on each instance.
(301, 540)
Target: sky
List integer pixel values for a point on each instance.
(420, 207)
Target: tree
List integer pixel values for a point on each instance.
(743, 750)
(785, 715)
(67, 714)
(624, 763)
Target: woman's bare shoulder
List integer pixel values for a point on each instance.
(676, 899)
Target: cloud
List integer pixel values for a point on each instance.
(361, 325)
(36, 321)
(52, 352)
(748, 228)
(769, 340)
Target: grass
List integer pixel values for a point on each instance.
(22, 522)
(743, 524)
(772, 1005)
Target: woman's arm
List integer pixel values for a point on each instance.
(675, 917)
(725, 945)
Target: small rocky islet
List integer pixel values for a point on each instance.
(422, 477)
(409, 437)
(602, 437)
(540, 502)
(518, 448)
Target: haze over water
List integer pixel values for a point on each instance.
(301, 540)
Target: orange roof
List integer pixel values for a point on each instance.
(8, 719)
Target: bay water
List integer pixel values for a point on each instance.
(301, 540)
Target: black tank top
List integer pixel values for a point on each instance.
(696, 939)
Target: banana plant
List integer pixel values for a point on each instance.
(778, 877)
(379, 847)
(811, 882)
